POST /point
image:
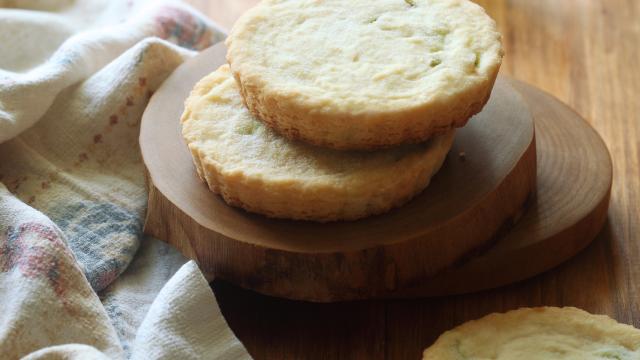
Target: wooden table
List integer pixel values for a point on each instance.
(586, 53)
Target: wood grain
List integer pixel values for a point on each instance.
(389, 255)
(583, 52)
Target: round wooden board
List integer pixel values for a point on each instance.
(432, 246)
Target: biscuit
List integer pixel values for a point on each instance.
(539, 333)
(254, 168)
(364, 74)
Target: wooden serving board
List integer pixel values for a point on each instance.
(452, 238)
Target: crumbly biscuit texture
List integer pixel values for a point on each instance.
(253, 167)
(364, 74)
(546, 333)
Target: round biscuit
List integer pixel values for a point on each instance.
(364, 74)
(547, 333)
(253, 167)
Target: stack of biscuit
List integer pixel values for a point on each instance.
(337, 110)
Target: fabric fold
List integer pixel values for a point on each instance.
(44, 297)
(75, 78)
(176, 327)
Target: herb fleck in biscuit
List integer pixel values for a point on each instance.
(539, 334)
(364, 74)
(254, 168)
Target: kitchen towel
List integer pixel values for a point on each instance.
(77, 277)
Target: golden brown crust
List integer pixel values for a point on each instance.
(408, 127)
(323, 203)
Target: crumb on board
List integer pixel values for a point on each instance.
(462, 155)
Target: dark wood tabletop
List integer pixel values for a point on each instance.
(586, 54)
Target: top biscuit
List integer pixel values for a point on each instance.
(364, 74)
